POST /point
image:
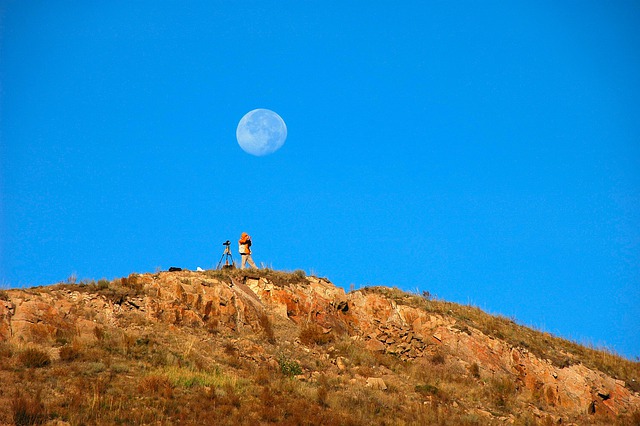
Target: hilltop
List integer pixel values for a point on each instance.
(262, 347)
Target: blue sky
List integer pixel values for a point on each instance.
(486, 152)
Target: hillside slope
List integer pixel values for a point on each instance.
(262, 347)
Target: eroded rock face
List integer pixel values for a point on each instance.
(196, 299)
(412, 333)
(7, 310)
(314, 300)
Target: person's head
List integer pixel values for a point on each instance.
(244, 235)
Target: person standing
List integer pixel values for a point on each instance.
(244, 248)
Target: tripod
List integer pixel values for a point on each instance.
(227, 257)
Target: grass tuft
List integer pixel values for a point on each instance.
(184, 377)
(156, 385)
(28, 411)
(34, 358)
(69, 353)
(312, 334)
(267, 327)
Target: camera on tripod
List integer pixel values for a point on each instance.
(226, 261)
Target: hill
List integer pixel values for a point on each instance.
(261, 347)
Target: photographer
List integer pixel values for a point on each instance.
(244, 248)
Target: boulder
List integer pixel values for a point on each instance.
(376, 383)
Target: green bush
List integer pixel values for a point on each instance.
(289, 367)
(427, 389)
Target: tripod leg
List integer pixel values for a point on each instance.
(220, 261)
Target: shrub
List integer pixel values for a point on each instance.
(474, 369)
(427, 295)
(323, 395)
(427, 389)
(502, 390)
(93, 368)
(289, 367)
(4, 295)
(5, 350)
(99, 333)
(437, 359)
(34, 358)
(432, 392)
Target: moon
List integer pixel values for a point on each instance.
(261, 132)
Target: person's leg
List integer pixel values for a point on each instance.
(244, 260)
(251, 263)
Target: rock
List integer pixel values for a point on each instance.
(376, 383)
(6, 312)
(375, 345)
(341, 363)
(484, 413)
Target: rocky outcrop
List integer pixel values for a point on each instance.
(240, 303)
(412, 333)
(312, 300)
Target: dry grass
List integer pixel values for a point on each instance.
(267, 327)
(501, 391)
(34, 358)
(69, 353)
(313, 334)
(156, 385)
(28, 410)
(6, 350)
(188, 377)
(474, 370)
(278, 278)
(99, 392)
